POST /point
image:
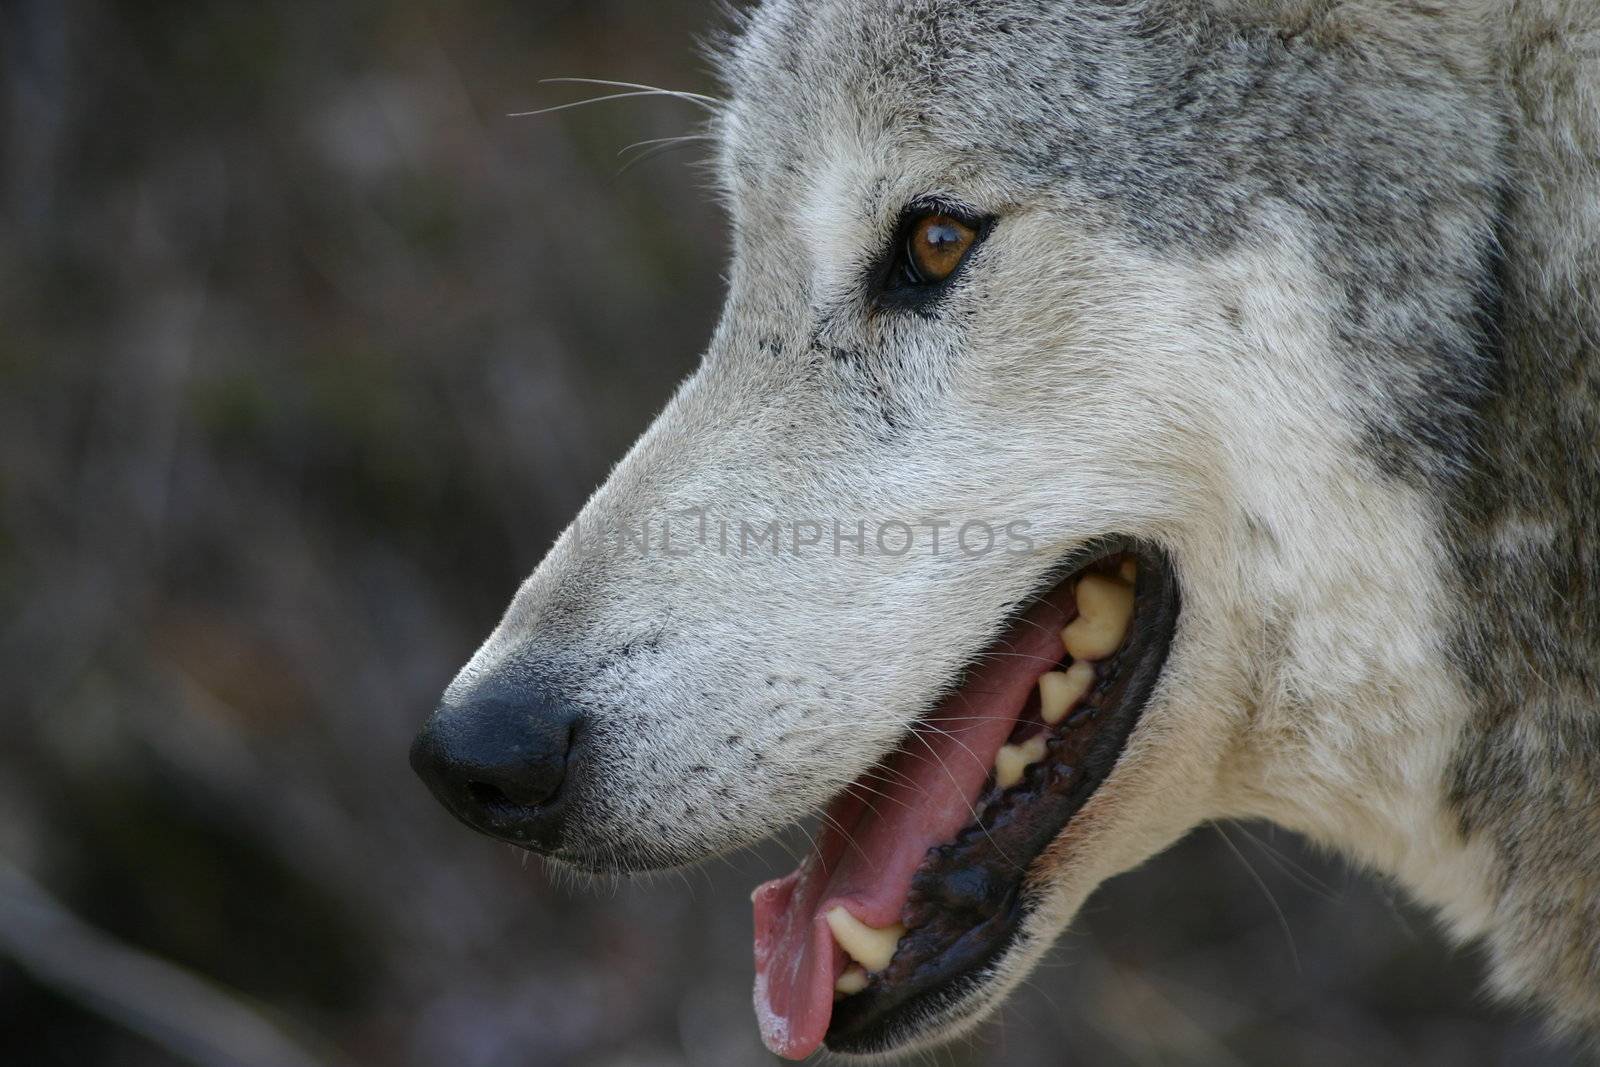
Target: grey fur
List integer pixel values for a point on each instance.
(1524, 527)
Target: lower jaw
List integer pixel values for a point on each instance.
(971, 896)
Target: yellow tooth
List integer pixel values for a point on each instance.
(1012, 760)
(1104, 607)
(1059, 690)
(852, 981)
(868, 946)
(1129, 569)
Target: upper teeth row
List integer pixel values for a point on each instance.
(1012, 760)
(1060, 690)
(1105, 608)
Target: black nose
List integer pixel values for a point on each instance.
(497, 760)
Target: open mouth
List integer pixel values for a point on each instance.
(918, 880)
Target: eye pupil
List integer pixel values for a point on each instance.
(937, 245)
(941, 233)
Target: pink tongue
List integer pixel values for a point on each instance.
(919, 798)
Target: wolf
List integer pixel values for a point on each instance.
(1124, 414)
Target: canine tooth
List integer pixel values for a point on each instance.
(869, 946)
(1129, 570)
(1012, 760)
(852, 981)
(1104, 607)
(1059, 690)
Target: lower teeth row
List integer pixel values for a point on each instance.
(870, 948)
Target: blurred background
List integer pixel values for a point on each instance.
(307, 352)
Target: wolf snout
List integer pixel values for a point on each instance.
(498, 757)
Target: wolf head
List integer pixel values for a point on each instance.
(1226, 307)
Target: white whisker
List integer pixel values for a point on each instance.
(580, 103)
(710, 102)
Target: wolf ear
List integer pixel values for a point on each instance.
(720, 47)
(1546, 303)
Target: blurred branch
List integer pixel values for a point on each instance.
(184, 1014)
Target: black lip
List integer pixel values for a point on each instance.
(966, 913)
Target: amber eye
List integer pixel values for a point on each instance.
(935, 248)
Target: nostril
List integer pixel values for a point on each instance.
(488, 796)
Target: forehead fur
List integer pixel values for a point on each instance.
(1173, 104)
(942, 73)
